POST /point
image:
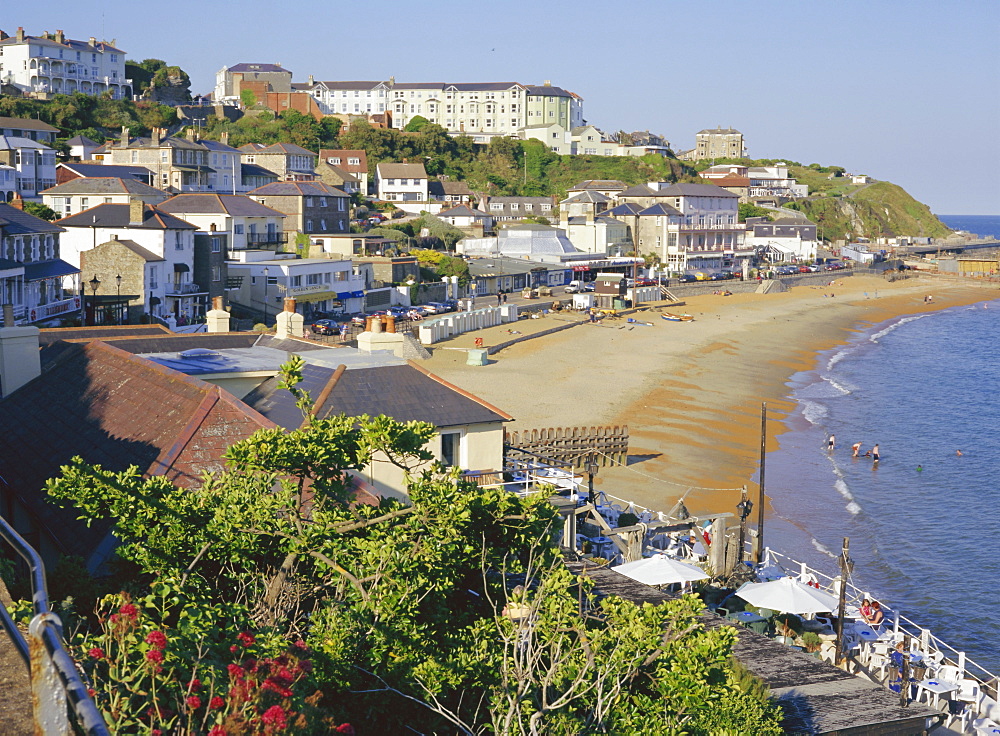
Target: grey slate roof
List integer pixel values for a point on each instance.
(26, 124)
(401, 171)
(598, 184)
(18, 222)
(79, 140)
(117, 215)
(299, 189)
(587, 196)
(146, 255)
(251, 67)
(637, 190)
(403, 392)
(629, 209)
(286, 148)
(462, 211)
(207, 203)
(102, 185)
(659, 210)
(140, 173)
(10, 142)
(693, 190)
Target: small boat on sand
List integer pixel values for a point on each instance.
(670, 317)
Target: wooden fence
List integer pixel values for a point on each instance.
(572, 446)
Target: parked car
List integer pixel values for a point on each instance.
(359, 319)
(399, 312)
(805, 269)
(325, 327)
(686, 278)
(834, 266)
(573, 287)
(416, 313)
(440, 307)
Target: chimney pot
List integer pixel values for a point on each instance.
(217, 302)
(8, 315)
(17, 203)
(289, 305)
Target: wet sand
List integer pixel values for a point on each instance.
(690, 393)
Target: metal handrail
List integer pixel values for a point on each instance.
(54, 676)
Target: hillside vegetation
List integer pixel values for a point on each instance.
(876, 210)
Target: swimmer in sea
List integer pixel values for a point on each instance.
(831, 443)
(855, 449)
(958, 453)
(920, 468)
(875, 455)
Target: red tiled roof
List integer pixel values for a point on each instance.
(113, 409)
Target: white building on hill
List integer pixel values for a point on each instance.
(54, 64)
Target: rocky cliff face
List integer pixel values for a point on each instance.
(170, 86)
(879, 210)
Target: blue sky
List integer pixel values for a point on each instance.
(904, 91)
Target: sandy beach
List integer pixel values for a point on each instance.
(690, 393)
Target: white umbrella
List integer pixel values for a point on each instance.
(660, 570)
(788, 595)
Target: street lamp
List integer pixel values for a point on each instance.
(94, 284)
(118, 297)
(266, 271)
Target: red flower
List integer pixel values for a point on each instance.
(157, 639)
(233, 649)
(275, 716)
(193, 702)
(114, 618)
(156, 732)
(245, 638)
(216, 702)
(129, 611)
(301, 645)
(217, 731)
(155, 656)
(91, 692)
(235, 671)
(346, 728)
(275, 684)
(96, 653)
(195, 684)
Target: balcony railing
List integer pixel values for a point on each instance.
(267, 238)
(185, 289)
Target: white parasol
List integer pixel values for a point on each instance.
(788, 595)
(660, 570)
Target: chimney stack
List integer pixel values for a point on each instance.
(190, 134)
(217, 318)
(20, 34)
(136, 208)
(289, 323)
(93, 42)
(311, 80)
(17, 203)
(3, 35)
(154, 135)
(125, 132)
(60, 37)
(19, 356)
(224, 138)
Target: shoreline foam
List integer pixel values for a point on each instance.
(690, 393)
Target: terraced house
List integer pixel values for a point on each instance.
(54, 64)
(483, 110)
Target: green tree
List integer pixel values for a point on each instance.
(416, 124)
(248, 98)
(40, 210)
(751, 210)
(400, 604)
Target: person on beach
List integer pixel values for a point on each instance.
(855, 449)
(875, 455)
(831, 443)
(499, 298)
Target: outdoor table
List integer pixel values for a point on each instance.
(936, 688)
(988, 729)
(753, 621)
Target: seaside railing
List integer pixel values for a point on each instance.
(900, 623)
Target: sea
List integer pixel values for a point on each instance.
(924, 523)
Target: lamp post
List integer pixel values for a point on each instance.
(94, 285)
(266, 271)
(118, 297)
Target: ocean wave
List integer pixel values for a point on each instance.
(853, 508)
(813, 411)
(836, 358)
(843, 490)
(883, 332)
(842, 388)
(820, 547)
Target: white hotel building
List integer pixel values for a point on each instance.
(54, 64)
(482, 110)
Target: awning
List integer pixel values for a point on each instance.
(350, 294)
(316, 296)
(48, 270)
(181, 268)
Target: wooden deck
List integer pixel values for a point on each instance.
(815, 697)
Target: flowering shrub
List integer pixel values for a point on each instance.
(153, 670)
